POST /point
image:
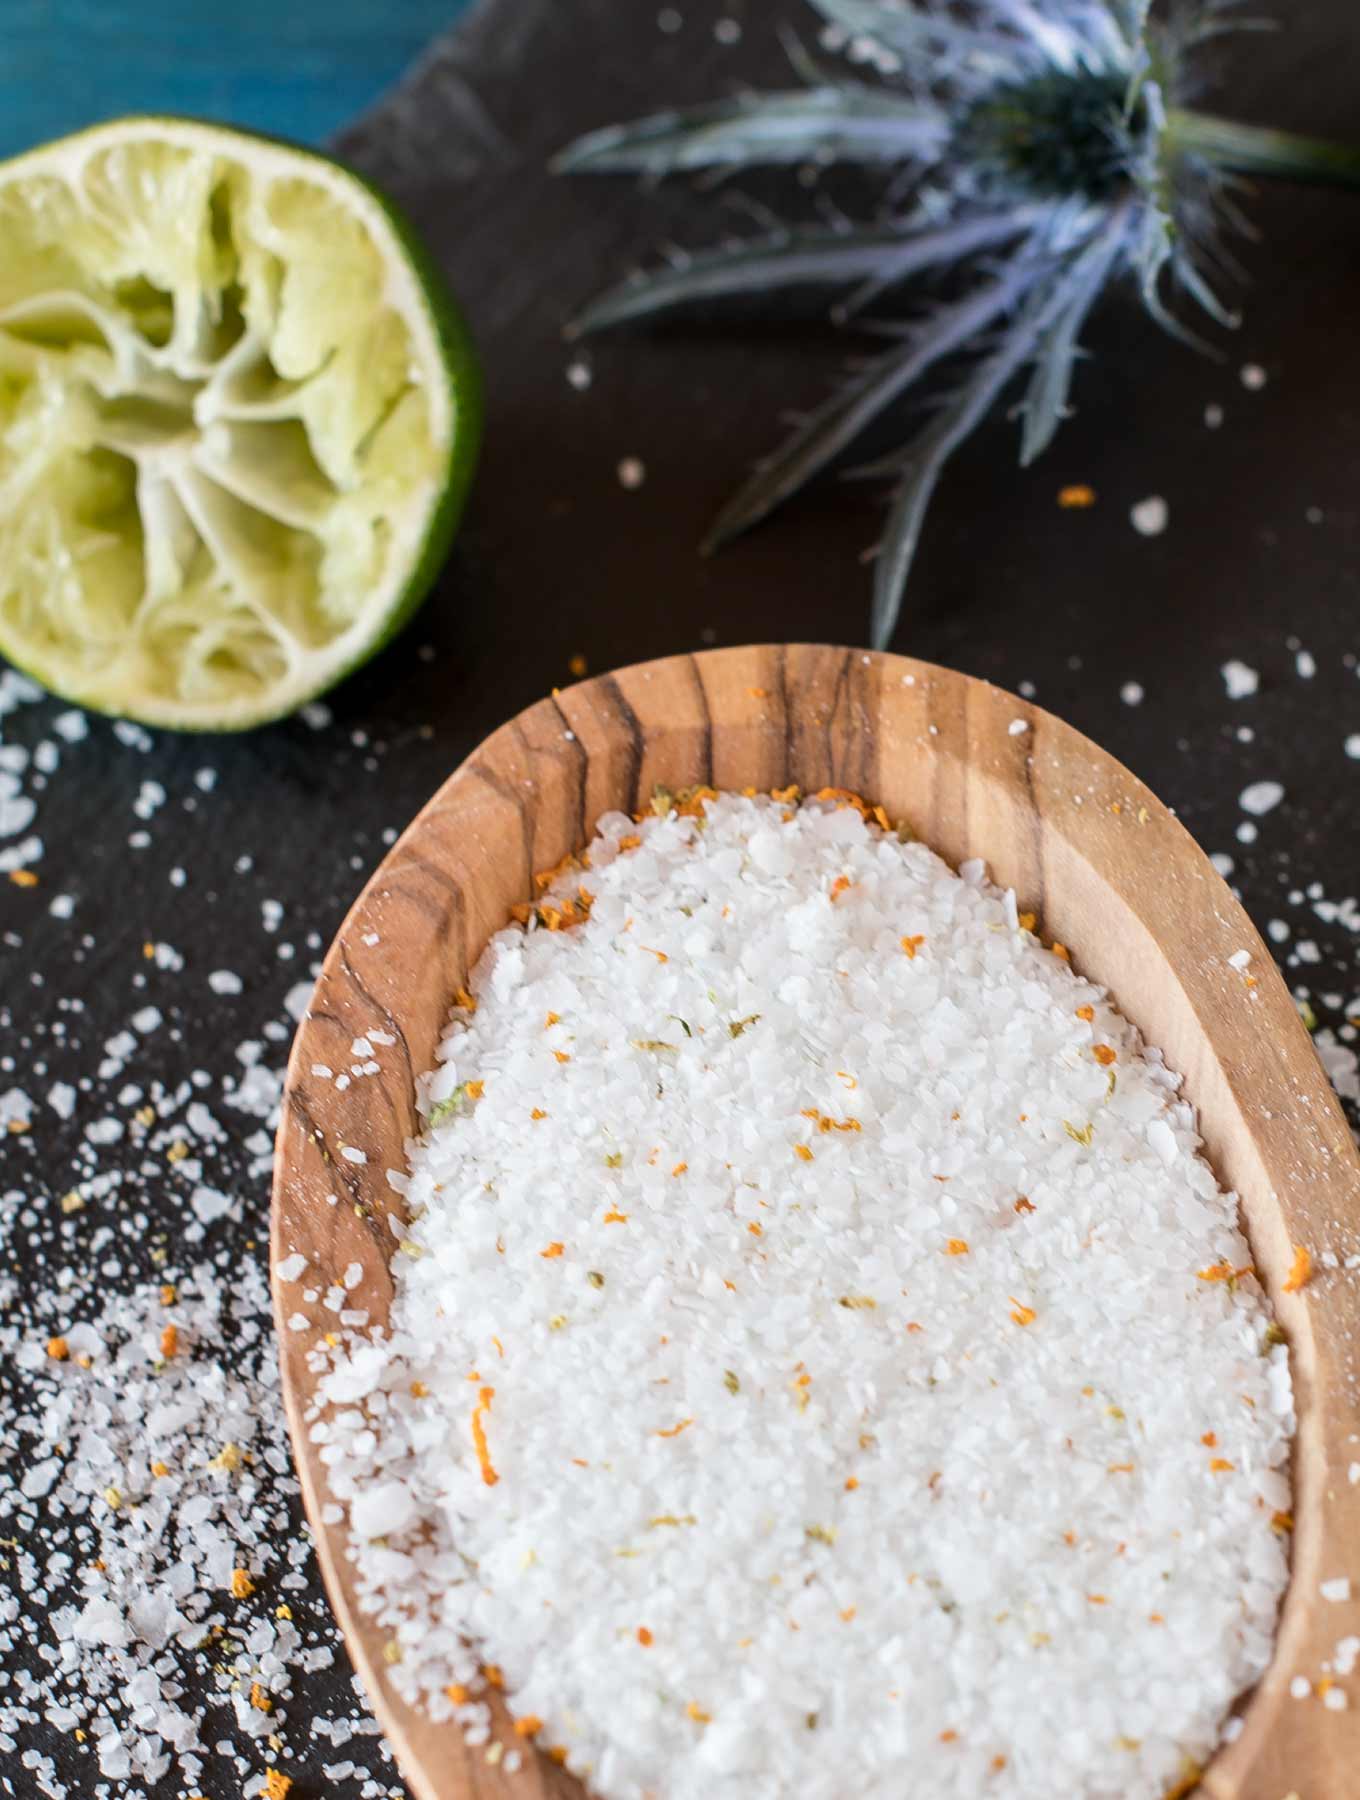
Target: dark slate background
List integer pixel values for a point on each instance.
(1262, 557)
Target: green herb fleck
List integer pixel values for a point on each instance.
(730, 1381)
(737, 1026)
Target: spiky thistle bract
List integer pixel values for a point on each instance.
(1032, 150)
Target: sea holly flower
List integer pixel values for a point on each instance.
(1035, 150)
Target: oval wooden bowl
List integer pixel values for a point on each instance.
(1109, 871)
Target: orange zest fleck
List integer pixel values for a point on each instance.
(913, 1326)
(500, 1348)
(758, 693)
(675, 1430)
(554, 1249)
(803, 1151)
(956, 1247)
(1098, 1599)
(1120, 1469)
(630, 842)
(1210, 1440)
(538, 1113)
(845, 1076)
(242, 1587)
(912, 944)
(277, 1785)
(489, 1475)
(839, 886)
(1156, 1619)
(1219, 1465)
(1223, 1271)
(949, 1736)
(660, 955)
(1282, 1523)
(1060, 950)
(755, 1228)
(1024, 1204)
(492, 1676)
(551, 1019)
(58, 1349)
(824, 1122)
(528, 1725)
(456, 1692)
(696, 1712)
(169, 1342)
(1077, 497)
(260, 1699)
(851, 1483)
(615, 1217)
(160, 1470)
(465, 999)
(1104, 1054)
(1086, 1012)
(1023, 1315)
(1302, 1271)
(644, 1637)
(562, 1056)
(679, 1168)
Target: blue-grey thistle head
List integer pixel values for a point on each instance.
(1039, 149)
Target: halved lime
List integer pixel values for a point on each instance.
(238, 418)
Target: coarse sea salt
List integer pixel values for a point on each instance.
(818, 1350)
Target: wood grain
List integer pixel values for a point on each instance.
(1111, 873)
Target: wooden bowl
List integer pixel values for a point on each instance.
(1109, 871)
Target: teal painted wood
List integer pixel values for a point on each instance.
(297, 67)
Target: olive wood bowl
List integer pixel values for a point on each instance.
(1086, 846)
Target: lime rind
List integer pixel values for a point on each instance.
(239, 413)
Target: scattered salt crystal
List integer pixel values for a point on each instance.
(1239, 959)
(1213, 416)
(632, 472)
(1337, 1590)
(1151, 516)
(1018, 727)
(1306, 664)
(1240, 679)
(1260, 797)
(1353, 745)
(1300, 1687)
(1131, 693)
(291, 1267)
(1253, 377)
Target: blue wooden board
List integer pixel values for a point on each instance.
(296, 67)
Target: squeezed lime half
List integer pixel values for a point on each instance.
(239, 413)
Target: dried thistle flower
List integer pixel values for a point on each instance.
(1035, 149)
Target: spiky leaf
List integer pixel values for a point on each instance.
(840, 123)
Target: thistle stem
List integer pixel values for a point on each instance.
(1258, 150)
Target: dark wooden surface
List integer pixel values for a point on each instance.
(558, 559)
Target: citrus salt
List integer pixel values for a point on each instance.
(819, 1352)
